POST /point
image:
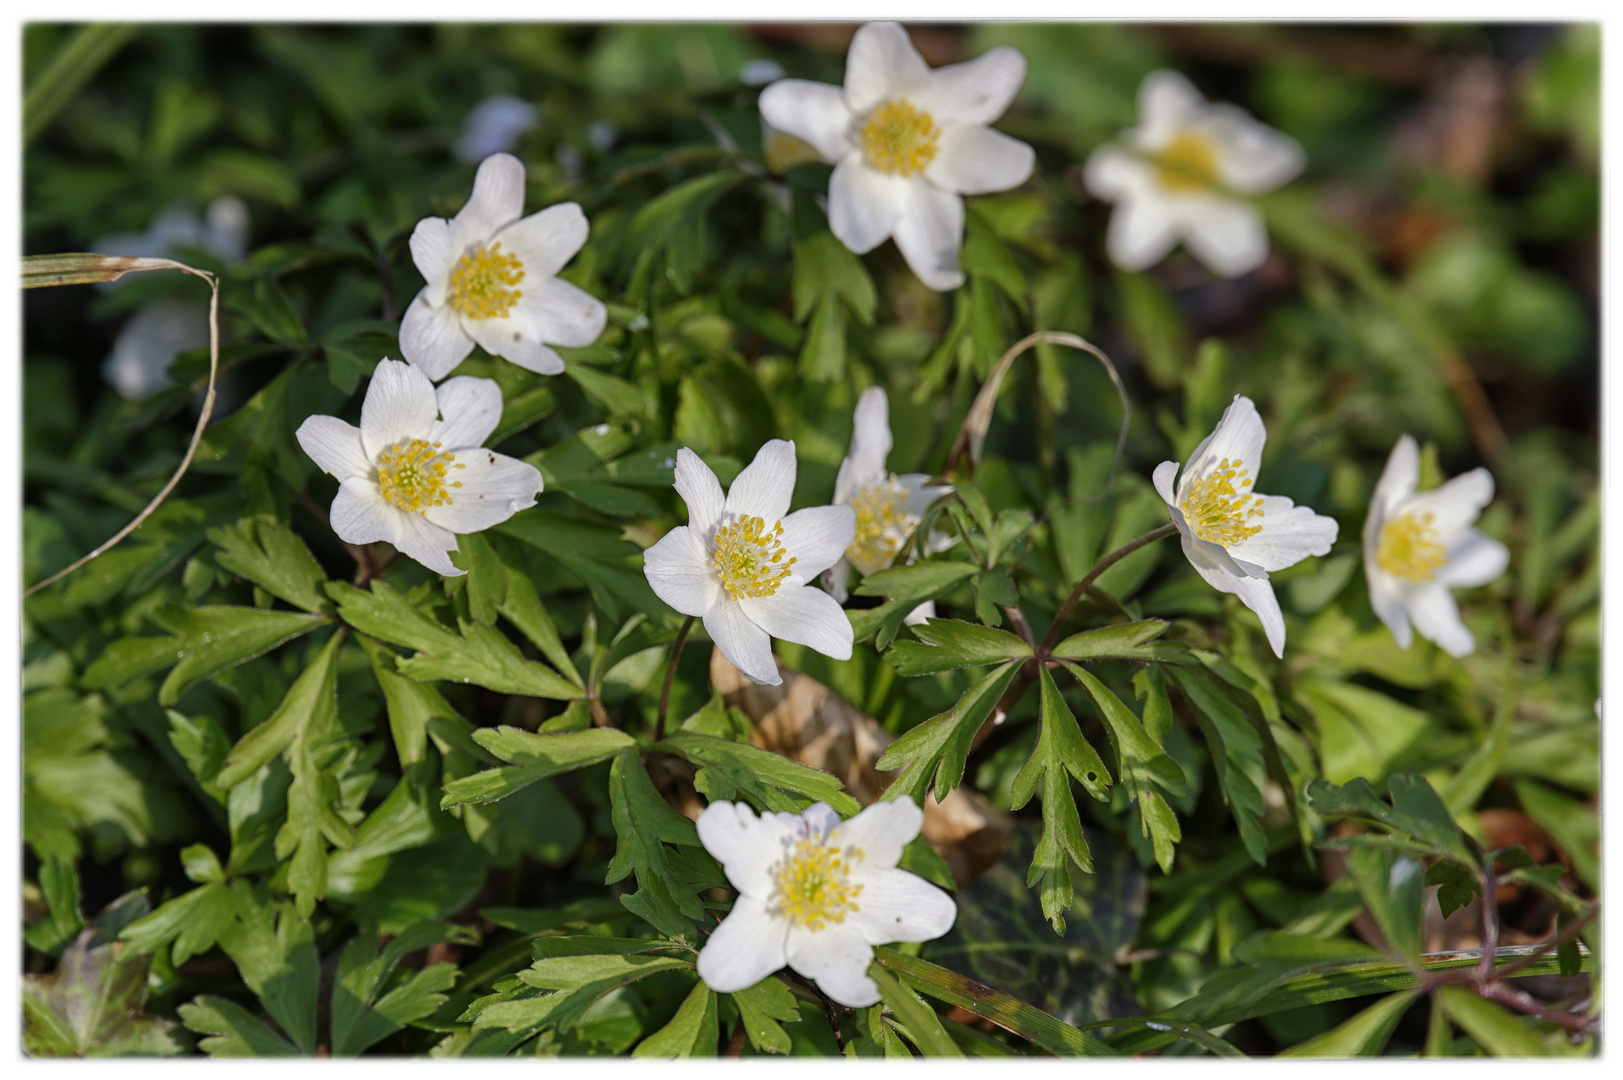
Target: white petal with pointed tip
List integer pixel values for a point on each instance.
(746, 846)
(897, 905)
(494, 488)
(882, 831)
(882, 65)
(746, 948)
(432, 338)
(426, 542)
(976, 91)
(679, 571)
(470, 409)
(1290, 533)
(974, 160)
(803, 614)
(545, 241)
(1436, 618)
(701, 491)
(563, 314)
(744, 644)
(1143, 229)
(930, 233)
(399, 405)
(766, 485)
(837, 959)
(864, 205)
(871, 441)
(816, 537)
(497, 201)
(334, 446)
(360, 515)
(1227, 235)
(811, 111)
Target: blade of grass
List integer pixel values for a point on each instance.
(73, 65)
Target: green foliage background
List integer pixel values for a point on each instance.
(267, 811)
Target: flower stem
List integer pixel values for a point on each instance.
(1100, 567)
(670, 674)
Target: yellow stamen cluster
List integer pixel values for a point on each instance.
(411, 475)
(814, 887)
(750, 558)
(481, 284)
(881, 526)
(1218, 506)
(1409, 548)
(899, 139)
(1187, 163)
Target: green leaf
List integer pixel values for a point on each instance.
(130, 658)
(1392, 885)
(692, 1031)
(273, 557)
(194, 921)
(923, 1025)
(59, 881)
(212, 638)
(1573, 825)
(410, 704)
(645, 823)
(1236, 751)
(1124, 641)
(365, 1008)
(939, 747)
(532, 757)
(771, 781)
(945, 644)
(1416, 816)
(486, 657)
(586, 978)
(760, 1007)
(908, 586)
(1061, 752)
(232, 1031)
(1364, 1035)
(1469, 784)
(610, 566)
(486, 581)
(277, 959)
(313, 698)
(84, 53)
(1496, 1029)
(522, 607)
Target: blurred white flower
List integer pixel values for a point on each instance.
(601, 135)
(491, 280)
(816, 893)
(742, 563)
(1231, 535)
(416, 473)
(1177, 176)
(138, 365)
(493, 126)
(907, 143)
(1418, 545)
(759, 72)
(888, 507)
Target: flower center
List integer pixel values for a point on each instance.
(750, 558)
(480, 286)
(1217, 510)
(411, 475)
(881, 527)
(814, 887)
(899, 139)
(1409, 548)
(1188, 163)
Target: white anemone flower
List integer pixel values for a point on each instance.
(907, 143)
(816, 893)
(1418, 545)
(1231, 535)
(1178, 175)
(889, 507)
(416, 473)
(742, 563)
(493, 126)
(492, 280)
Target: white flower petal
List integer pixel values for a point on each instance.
(1163, 477)
(360, 515)
(1254, 157)
(977, 91)
(1455, 505)
(432, 338)
(816, 537)
(870, 445)
(1112, 173)
(513, 339)
(930, 233)
(533, 356)
(334, 446)
(1475, 560)
(766, 485)
(803, 614)
(494, 125)
(1166, 102)
(811, 111)
(864, 204)
(1239, 437)
(919, 494)
(882, 66)
(399, 405)
(497, 201)
(920, 615)
(697, 484)
(746, 846)
(882, 831)
(838, 579)
(545, 241)
(901, 906)
(1226, 234)
(562, 314)
(746, 948)
(744, 644)
(1258, 595)
(470, 409)
(836, 958)
(1290, 533)
(432, 254)
(1397, 483)
(974, 160)
(1143, 229)
(1387, 600)
(494, 488)
(1437, 619)
(417, 537)
(679, 571)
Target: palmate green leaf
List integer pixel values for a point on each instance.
(585, 977)
(275, 954)
(194, 921)
(1125, 641)
(366, 1008)
(523, 608)
(532, 757)
(645, 823)
(692, 1031)
(907, 587)
(1416, 816)
(312, 698)
(409, 703)
(760, 1008)
(1237, 752)
(231, 1031)
(923, 1026)
(1364, 1035)
(1061, 752)
(312, 818)
(771, 781)
(939, 747)
(208, 639)
(945, 644)
(273, 557)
